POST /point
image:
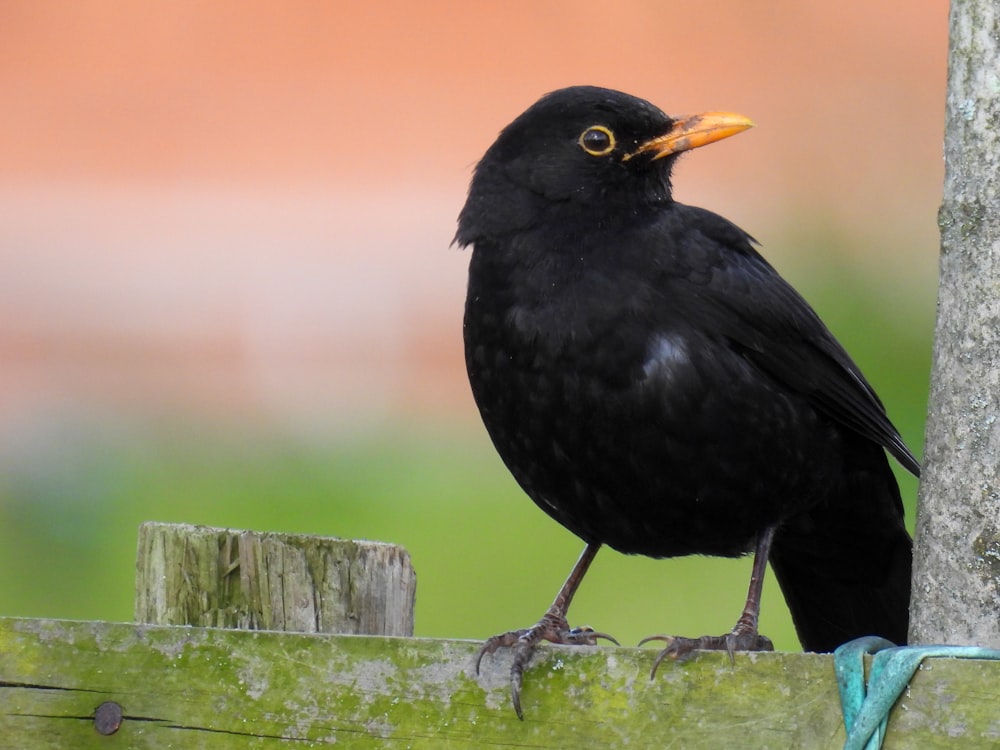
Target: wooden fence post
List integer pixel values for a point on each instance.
(246, 580)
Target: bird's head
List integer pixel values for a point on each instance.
(585, 148)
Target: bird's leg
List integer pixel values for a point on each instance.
(744, 635)
(552, 627)
(746, 625)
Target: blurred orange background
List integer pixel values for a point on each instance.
(246, 208)
(238, 216)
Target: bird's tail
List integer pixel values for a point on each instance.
(844, 566)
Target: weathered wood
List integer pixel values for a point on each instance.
(956, 567)
(186, 687)
(197, 575)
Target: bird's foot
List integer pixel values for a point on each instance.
(552, 628)
(680, 649)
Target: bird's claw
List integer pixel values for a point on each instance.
(553, 628)
(585, 636)
(681, 649)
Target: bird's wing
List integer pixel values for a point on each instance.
(744, 299)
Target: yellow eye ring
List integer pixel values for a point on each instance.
(597, 140)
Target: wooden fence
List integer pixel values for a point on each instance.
(107, 685)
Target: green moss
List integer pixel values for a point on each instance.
(196, 687)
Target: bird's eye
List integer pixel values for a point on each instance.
(597, 140)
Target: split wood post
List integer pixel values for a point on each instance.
(247, 580)
(956, 562)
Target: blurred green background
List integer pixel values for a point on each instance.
(227, 294)
(73, 491)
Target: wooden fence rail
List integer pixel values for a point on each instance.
(81, 685)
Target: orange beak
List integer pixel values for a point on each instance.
(693, 131)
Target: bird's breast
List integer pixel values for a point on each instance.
(620, 422)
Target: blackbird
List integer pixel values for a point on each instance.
(654, 385)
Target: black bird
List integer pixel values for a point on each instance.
(654, 385)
